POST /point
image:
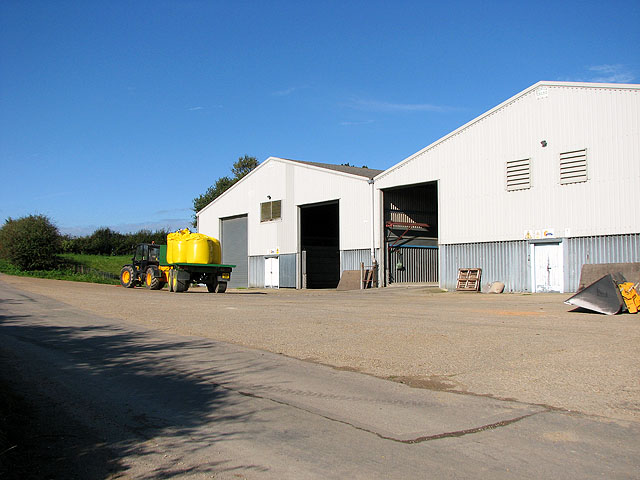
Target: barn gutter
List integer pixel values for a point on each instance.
(371, 182)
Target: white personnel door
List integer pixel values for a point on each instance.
(272, 272)
(547, 270)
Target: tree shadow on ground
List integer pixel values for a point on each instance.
(104, 399)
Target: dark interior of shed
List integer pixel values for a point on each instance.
(320, 239)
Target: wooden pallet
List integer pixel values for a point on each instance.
(469, 279)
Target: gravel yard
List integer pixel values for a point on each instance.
(530, 348)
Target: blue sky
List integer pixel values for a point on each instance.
(118, 114)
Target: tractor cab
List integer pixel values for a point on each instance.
(146, 254)
(144, 268)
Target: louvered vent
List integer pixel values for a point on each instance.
(270, 210)
(265, 211)
(276, 208)
(519, 174)
(573, 167)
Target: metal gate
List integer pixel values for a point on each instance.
(234, 249)
(414, 265)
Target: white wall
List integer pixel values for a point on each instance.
(474, 204)
(295, 184)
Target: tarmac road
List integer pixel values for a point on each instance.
(138, 401)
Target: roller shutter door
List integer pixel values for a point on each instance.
(234, 249)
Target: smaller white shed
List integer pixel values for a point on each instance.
(294, 224)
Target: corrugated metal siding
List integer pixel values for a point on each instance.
(287, 270)
(234, 249)
(256, 272)
(351, 259)
(506, 262)
(601, 249)
(419, 265)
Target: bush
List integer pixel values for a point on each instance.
(30, 243)
(105, 241)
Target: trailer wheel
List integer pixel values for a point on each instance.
(151, 281)
(127, 277)
(211, 287)
(173, 281)
(179, 285)
(184, 286)
(221, 287)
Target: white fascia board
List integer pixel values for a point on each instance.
(288, 162)
(232, 187)
(615, 86)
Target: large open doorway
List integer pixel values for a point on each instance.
(411, 234)
(320, 244)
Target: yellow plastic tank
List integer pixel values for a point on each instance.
(216, 251)
(177, 246)
(202, 249)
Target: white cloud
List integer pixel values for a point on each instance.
(611, 74)
(193, 109)
(173, 210)
(363, 122)
(286, 91)
(382, 106)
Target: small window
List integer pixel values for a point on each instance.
(270, 210)
(573, 167)
(519, 174)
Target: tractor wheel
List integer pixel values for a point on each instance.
(151, 281)
(127, 277)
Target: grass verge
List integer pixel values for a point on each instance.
(102, 263)
(65, 271)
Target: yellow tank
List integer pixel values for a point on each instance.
(177, 246)
(202, 249)
(216, 251)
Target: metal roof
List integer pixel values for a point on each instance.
(360, 171)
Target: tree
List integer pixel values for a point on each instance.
(243, 166)
(30, 243)
(103, 241)
(349, 165)
(240, 169)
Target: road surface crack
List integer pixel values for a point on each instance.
(422, 439)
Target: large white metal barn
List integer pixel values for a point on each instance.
(295, 224)
(528, 192)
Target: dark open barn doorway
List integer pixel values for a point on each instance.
(411, 234)
(320, 244)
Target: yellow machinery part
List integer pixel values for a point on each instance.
(630, 296)
(165, 273)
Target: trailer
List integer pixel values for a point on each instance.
(149, 267)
